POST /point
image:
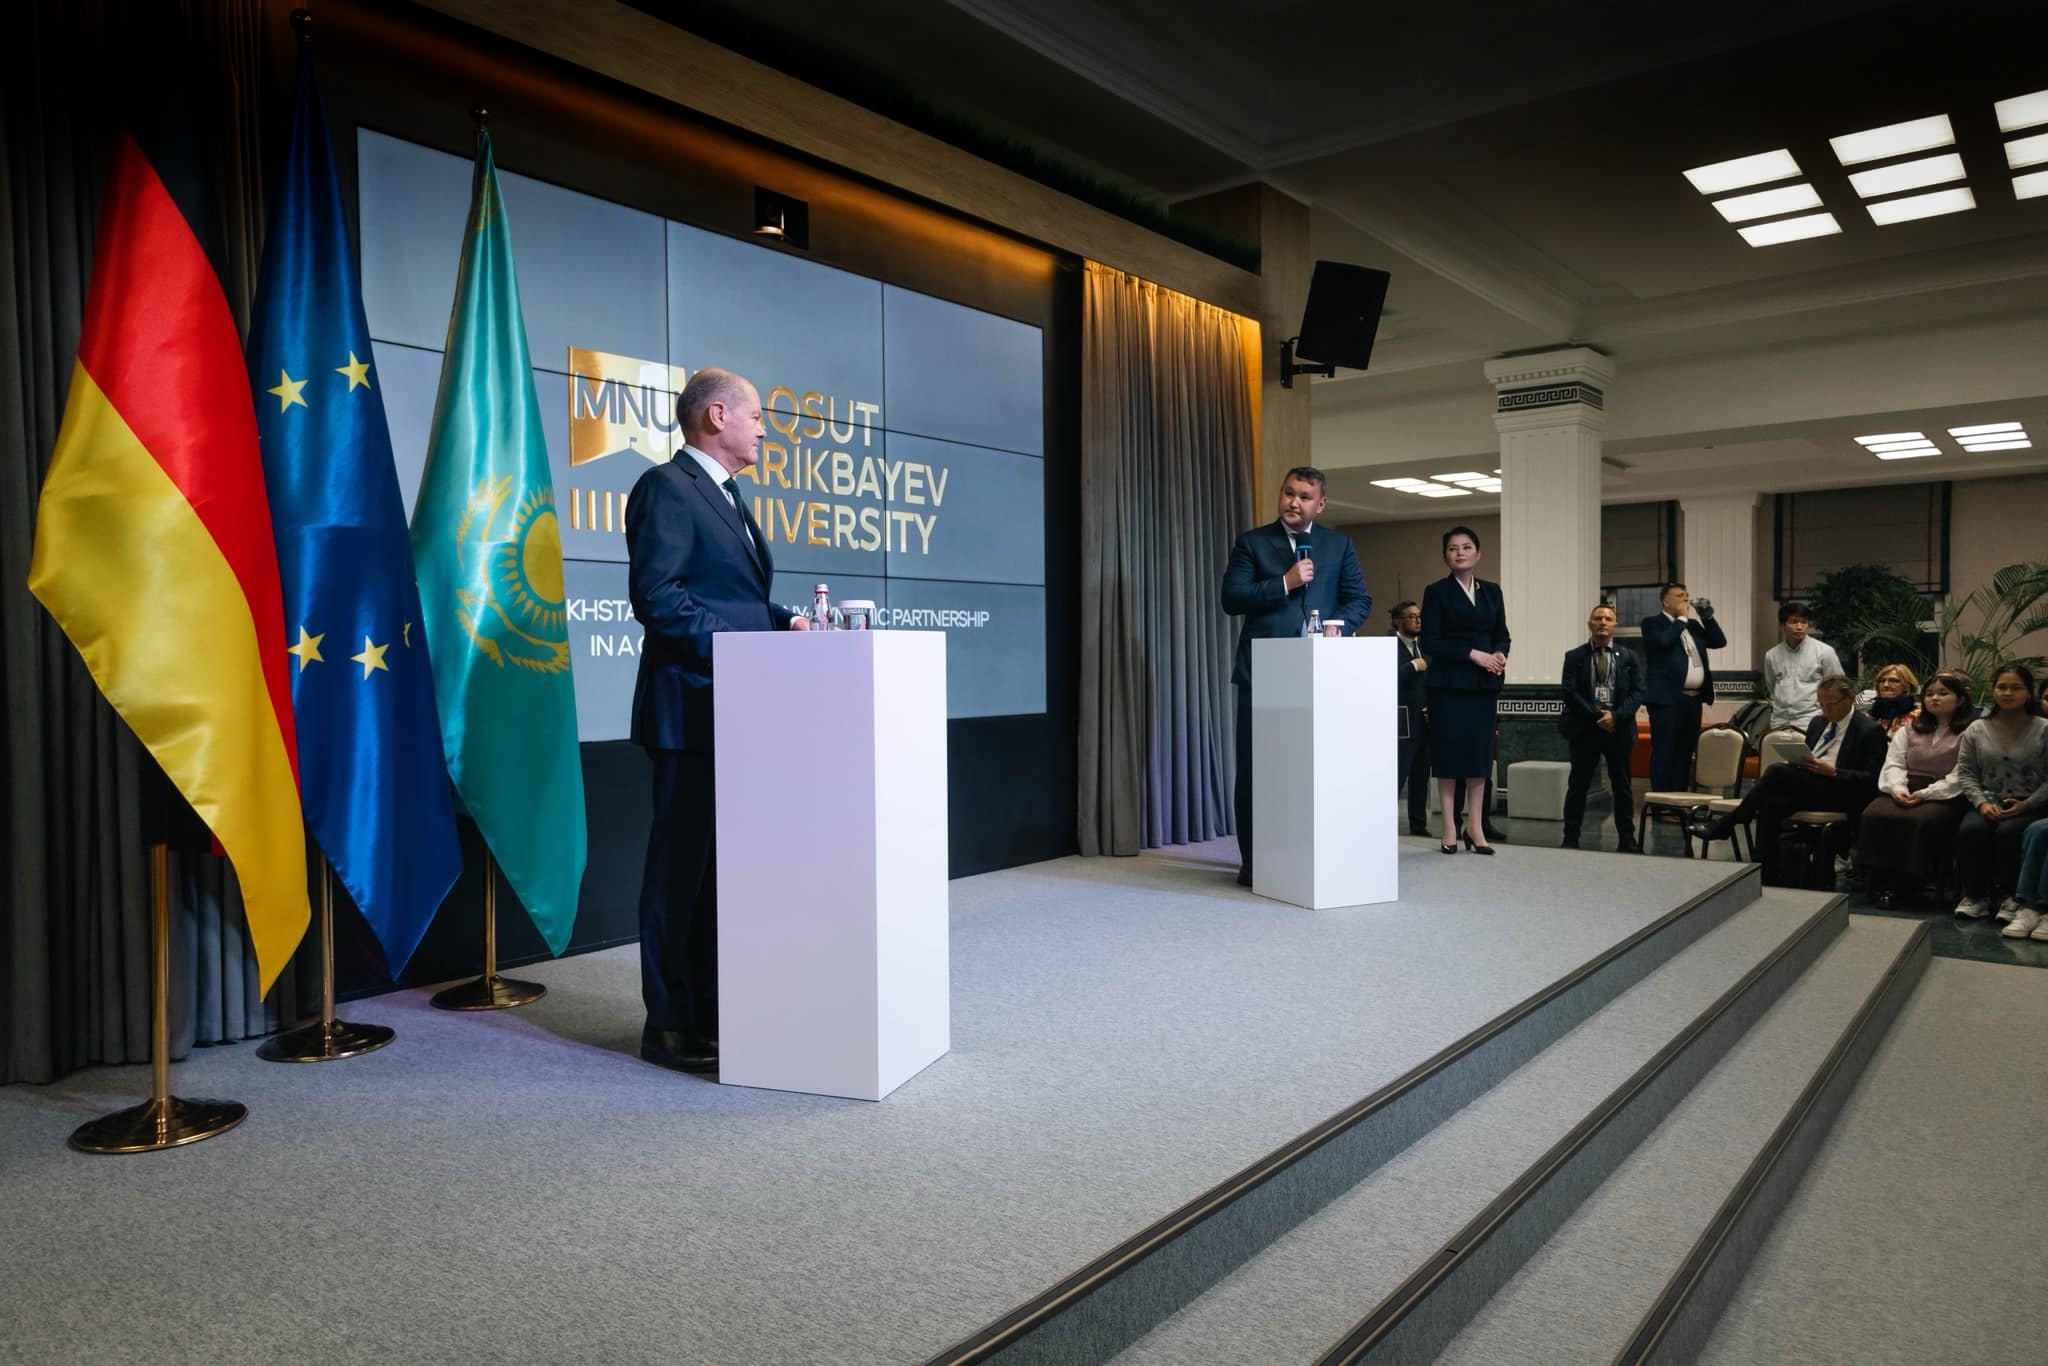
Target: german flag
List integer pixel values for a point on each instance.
(153, 546)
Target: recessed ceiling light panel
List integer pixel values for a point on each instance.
(2032, 185)
(1439, 491)
(1761, 169)
(1878, 447)
(1908, 175)
(1462, 477)
(2020, 444)
(1401, 484)
(2029, 151)
(1923, 205)
(1767, 203)
(2022, 111)
(1985, 429)
(1890, 436)
(1790, 229)
(1894, 140)
(1908, 455)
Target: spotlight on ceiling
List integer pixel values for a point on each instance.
(1894, 140)
(779, 218)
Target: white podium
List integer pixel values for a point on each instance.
(832, 968)
(1324, 712)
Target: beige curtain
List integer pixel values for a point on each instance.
(1167, 445)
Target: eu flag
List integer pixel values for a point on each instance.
(374, 787)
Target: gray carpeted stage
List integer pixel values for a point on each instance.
(1126, 1034)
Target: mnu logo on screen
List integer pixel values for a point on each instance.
(823, 480)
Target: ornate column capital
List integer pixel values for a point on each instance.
(1565, 387)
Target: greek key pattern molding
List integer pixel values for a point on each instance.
(1548, 396)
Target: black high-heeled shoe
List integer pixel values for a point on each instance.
(1447, 848)
(1475, 848)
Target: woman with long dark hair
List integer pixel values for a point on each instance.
(1906, 830)
(1465, 635)
(2003, 766)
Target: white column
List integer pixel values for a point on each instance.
(1717, 561)
(1550, 412)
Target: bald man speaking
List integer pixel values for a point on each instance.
(697, 565)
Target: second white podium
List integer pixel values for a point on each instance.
(1324, 713)
(833, 975)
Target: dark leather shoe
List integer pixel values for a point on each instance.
(1710, 830)
(1570, 842)
(678, 1052)
(1628, 847)
(1244, 877)
(1418, 828)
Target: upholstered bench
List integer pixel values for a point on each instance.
(1536, 789)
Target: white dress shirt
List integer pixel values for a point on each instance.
(1695, 667)
(719, 474)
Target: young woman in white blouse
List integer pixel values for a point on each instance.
(1905, 832)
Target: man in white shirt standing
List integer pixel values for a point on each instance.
(1794, 667)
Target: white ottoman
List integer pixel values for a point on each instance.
(1536, 789)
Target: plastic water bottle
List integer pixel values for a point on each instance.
(1315, 623)
(821, 608)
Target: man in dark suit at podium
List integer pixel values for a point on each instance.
(1603, 687)
(1680, 683)
(697, 565)
(1277, 575)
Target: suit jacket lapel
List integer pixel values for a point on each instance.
(727, 512)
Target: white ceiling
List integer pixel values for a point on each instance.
(1518, 170)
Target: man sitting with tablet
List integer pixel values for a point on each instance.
(1846, 751)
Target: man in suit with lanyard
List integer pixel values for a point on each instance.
(697, 565)
(1412, 669)
(1846, 753)
(1603, 687)
(1680, 683)
(1277, 575)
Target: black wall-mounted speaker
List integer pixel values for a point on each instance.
(1343, 314)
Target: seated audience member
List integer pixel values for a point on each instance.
(1907, 828)
(2003, 767)
(1847, 752)
(1794, 667)
(1893, 694)
(2030, 890)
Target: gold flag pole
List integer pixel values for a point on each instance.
(325, 1039)
(490, 991)
(164, 1120)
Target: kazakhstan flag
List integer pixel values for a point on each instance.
(374, 789)
(489, 551)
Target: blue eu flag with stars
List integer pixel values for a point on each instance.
(375, 787)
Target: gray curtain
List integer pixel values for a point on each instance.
(1167, 444)
(74, 982)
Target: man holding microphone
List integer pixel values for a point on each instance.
(1680, 683)
(1278, 575)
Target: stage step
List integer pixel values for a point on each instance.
(1640, 1270)
(1116, 1299)
(1311, 1287)
(1917, 1231)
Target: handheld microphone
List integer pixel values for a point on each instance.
(1301, 549)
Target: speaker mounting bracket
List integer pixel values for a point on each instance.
(1288, 368)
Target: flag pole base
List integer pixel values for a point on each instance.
(489, 993)
(167, 1123)
(325, 1041)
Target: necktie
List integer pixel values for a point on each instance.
(732, 491)
(1827, 739)
(1600, 668)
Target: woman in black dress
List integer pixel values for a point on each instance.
(1465, 636)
